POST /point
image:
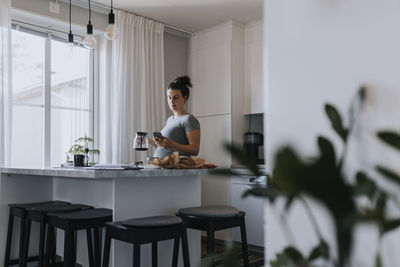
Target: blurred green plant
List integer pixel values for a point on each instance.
(321, 178)
(78, 148)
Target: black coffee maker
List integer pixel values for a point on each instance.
(252, 141)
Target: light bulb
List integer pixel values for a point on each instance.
(70, 49)
(89, 41)
(111, 32)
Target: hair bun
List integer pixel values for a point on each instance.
(184, 81)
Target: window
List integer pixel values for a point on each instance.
(52, 93)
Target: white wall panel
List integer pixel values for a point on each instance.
(215, 131)
(253, 69)
(211, 73)
(320, 52)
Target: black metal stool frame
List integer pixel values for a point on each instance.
(212, 224)
(70, 227)
(144, 235)
(19, 210)
(41, 218)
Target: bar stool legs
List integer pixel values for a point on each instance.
(154, 254)
(244, 243)
(9, 235)
(140, 231)
(106, 252)
(185, 248)
(136, 255)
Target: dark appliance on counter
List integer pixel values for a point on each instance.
(252, 142)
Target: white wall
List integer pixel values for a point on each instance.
(175, 59)
(253, 67)
(80, 15)
(216, 67)
(322, 51)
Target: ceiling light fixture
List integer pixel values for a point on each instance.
(111, 31)
(89, 41)
(70, 44)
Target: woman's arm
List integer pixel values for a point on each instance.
(191, 149)
(152, 142)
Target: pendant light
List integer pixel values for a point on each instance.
(70, 43)
(111, 31)
(89, 41)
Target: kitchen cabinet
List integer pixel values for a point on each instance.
(211, 73)
(253, 207)
(253, 68)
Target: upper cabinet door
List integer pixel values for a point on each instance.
(254, 100)
(211, 73)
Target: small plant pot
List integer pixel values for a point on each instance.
(79, 160)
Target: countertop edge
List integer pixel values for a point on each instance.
(103, 174)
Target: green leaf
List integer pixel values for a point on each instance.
(249, 161)
(83, 139)
(336, 121)
(327, 151)
(226, 172)
(94, 151)
(391, 225)
(294, 254)
(262, 191)
(282, 260)
(289, 202)
(320, 251)
(364, 186)
(389, 174)
(378, 261)
(231, 256)
(390, 138)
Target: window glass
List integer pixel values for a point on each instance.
(71, 113)
(69, 97)
(28, 56)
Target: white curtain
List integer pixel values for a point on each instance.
(5, 83)
(132, 92)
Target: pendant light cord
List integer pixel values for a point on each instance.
(90, 13)
(111, 5)
(70, 31)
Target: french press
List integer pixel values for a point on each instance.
(140, 142)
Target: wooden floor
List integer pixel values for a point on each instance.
(256, 258)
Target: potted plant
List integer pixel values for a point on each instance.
(321, 178)
(78, 148)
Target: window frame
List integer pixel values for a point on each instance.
(49, 35)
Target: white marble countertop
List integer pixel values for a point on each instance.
(103, 174)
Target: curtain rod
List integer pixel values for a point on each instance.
(103, 9)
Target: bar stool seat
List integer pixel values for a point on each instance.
(20, 210)
(39, 214)
(215, 218)
(138, 231)
(210, 211)
(91, 220)
(155, 221)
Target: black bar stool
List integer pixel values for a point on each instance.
(91, 220)
(38, 214)
(215, 218)
(19, 210)
(140, 231)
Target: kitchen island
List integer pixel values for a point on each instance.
(130, 193)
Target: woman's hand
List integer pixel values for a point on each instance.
(152, 142)
(164, 142)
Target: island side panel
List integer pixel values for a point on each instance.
(21, 189)
(152, 196)
(89, 191)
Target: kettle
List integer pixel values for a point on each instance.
(141, 143)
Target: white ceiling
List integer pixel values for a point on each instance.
(193, 15)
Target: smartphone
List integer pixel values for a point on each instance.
(158, 135)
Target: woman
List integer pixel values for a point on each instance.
(182, 130)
